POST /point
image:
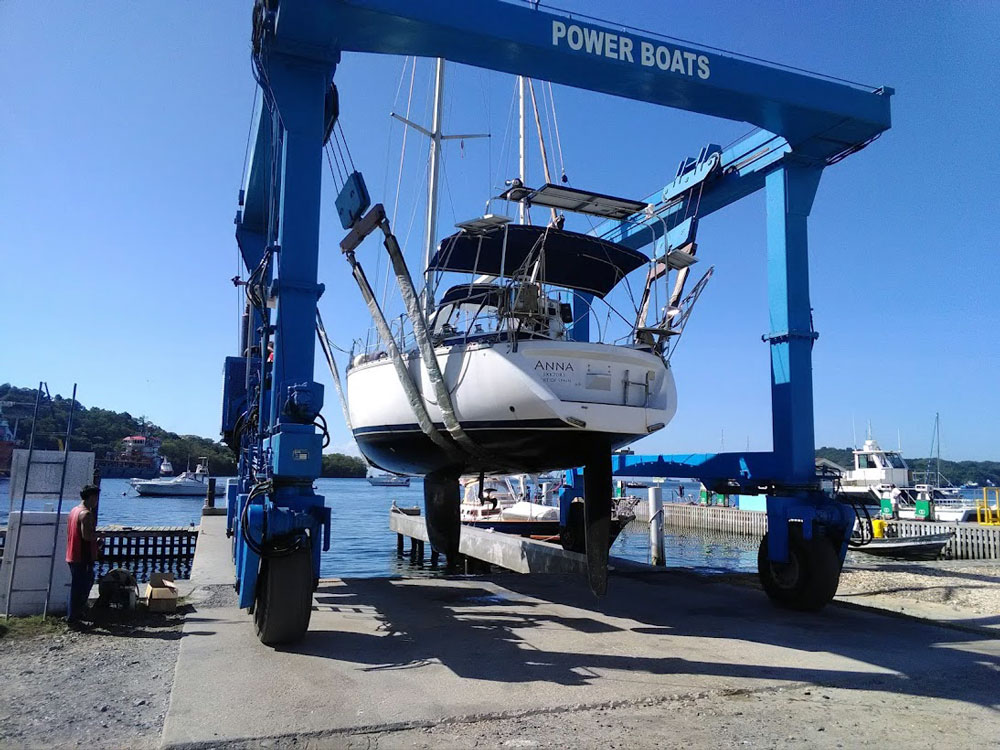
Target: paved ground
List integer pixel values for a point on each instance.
(523, 661)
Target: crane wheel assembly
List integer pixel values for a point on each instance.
(283, 603)
(809, 580)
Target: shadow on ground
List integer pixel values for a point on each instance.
(476, 629)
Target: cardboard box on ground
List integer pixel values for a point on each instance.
(161, 593)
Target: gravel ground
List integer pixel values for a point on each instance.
(107, 687)
(963, 584)
(971, 586)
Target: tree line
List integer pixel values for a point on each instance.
(102, 431)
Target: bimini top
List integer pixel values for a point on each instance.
(572, 260)
(490, 295)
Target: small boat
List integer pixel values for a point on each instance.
(528, 505)
(925, 547)
(388, 480)
(166, 468)
(188, 484)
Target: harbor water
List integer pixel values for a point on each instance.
(362, 545)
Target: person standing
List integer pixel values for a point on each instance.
(81, 551)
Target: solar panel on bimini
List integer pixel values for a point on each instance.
(584, 202)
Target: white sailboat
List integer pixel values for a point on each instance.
(497, 384)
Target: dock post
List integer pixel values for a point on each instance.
(399, 546)
(210, 493)
(435, 557)
(656, 526)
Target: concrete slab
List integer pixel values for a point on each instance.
(389, 653)
(213, 563)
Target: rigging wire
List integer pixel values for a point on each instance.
(399, 181)
(555, 120)
(501, 162)
(343, 138)
(406, 130)
(246, 150)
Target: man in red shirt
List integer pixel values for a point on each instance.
(81, 551)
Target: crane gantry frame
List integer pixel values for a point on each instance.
(806, 122)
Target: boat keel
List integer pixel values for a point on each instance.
(442, 498)
(597, 491)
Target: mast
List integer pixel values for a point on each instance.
(522, 167)
(434, 170)
(432, 183)
(937, 433)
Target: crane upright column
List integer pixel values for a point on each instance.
(790, 192)
(281, 523)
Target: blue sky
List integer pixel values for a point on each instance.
(122, 136)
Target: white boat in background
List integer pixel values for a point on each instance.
(522, 497)
(874, 467)
(166, 468)
(388, 480)
(188, 484)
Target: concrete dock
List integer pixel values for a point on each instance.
(388, 655)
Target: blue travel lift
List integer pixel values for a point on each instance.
(272, 405)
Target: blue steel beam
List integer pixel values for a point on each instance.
(818, 116)
(742, 170)
(755, 467)
(253, 212)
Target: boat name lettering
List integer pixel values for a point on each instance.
(554, 366)
(622, 47)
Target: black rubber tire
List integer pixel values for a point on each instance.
(809, 580)
(284, 598)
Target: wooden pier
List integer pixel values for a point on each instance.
(515, 553)
(142, 549)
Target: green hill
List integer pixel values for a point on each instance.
(101, 431)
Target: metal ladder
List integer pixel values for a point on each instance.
(11, 591)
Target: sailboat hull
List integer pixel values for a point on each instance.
(541, 406)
